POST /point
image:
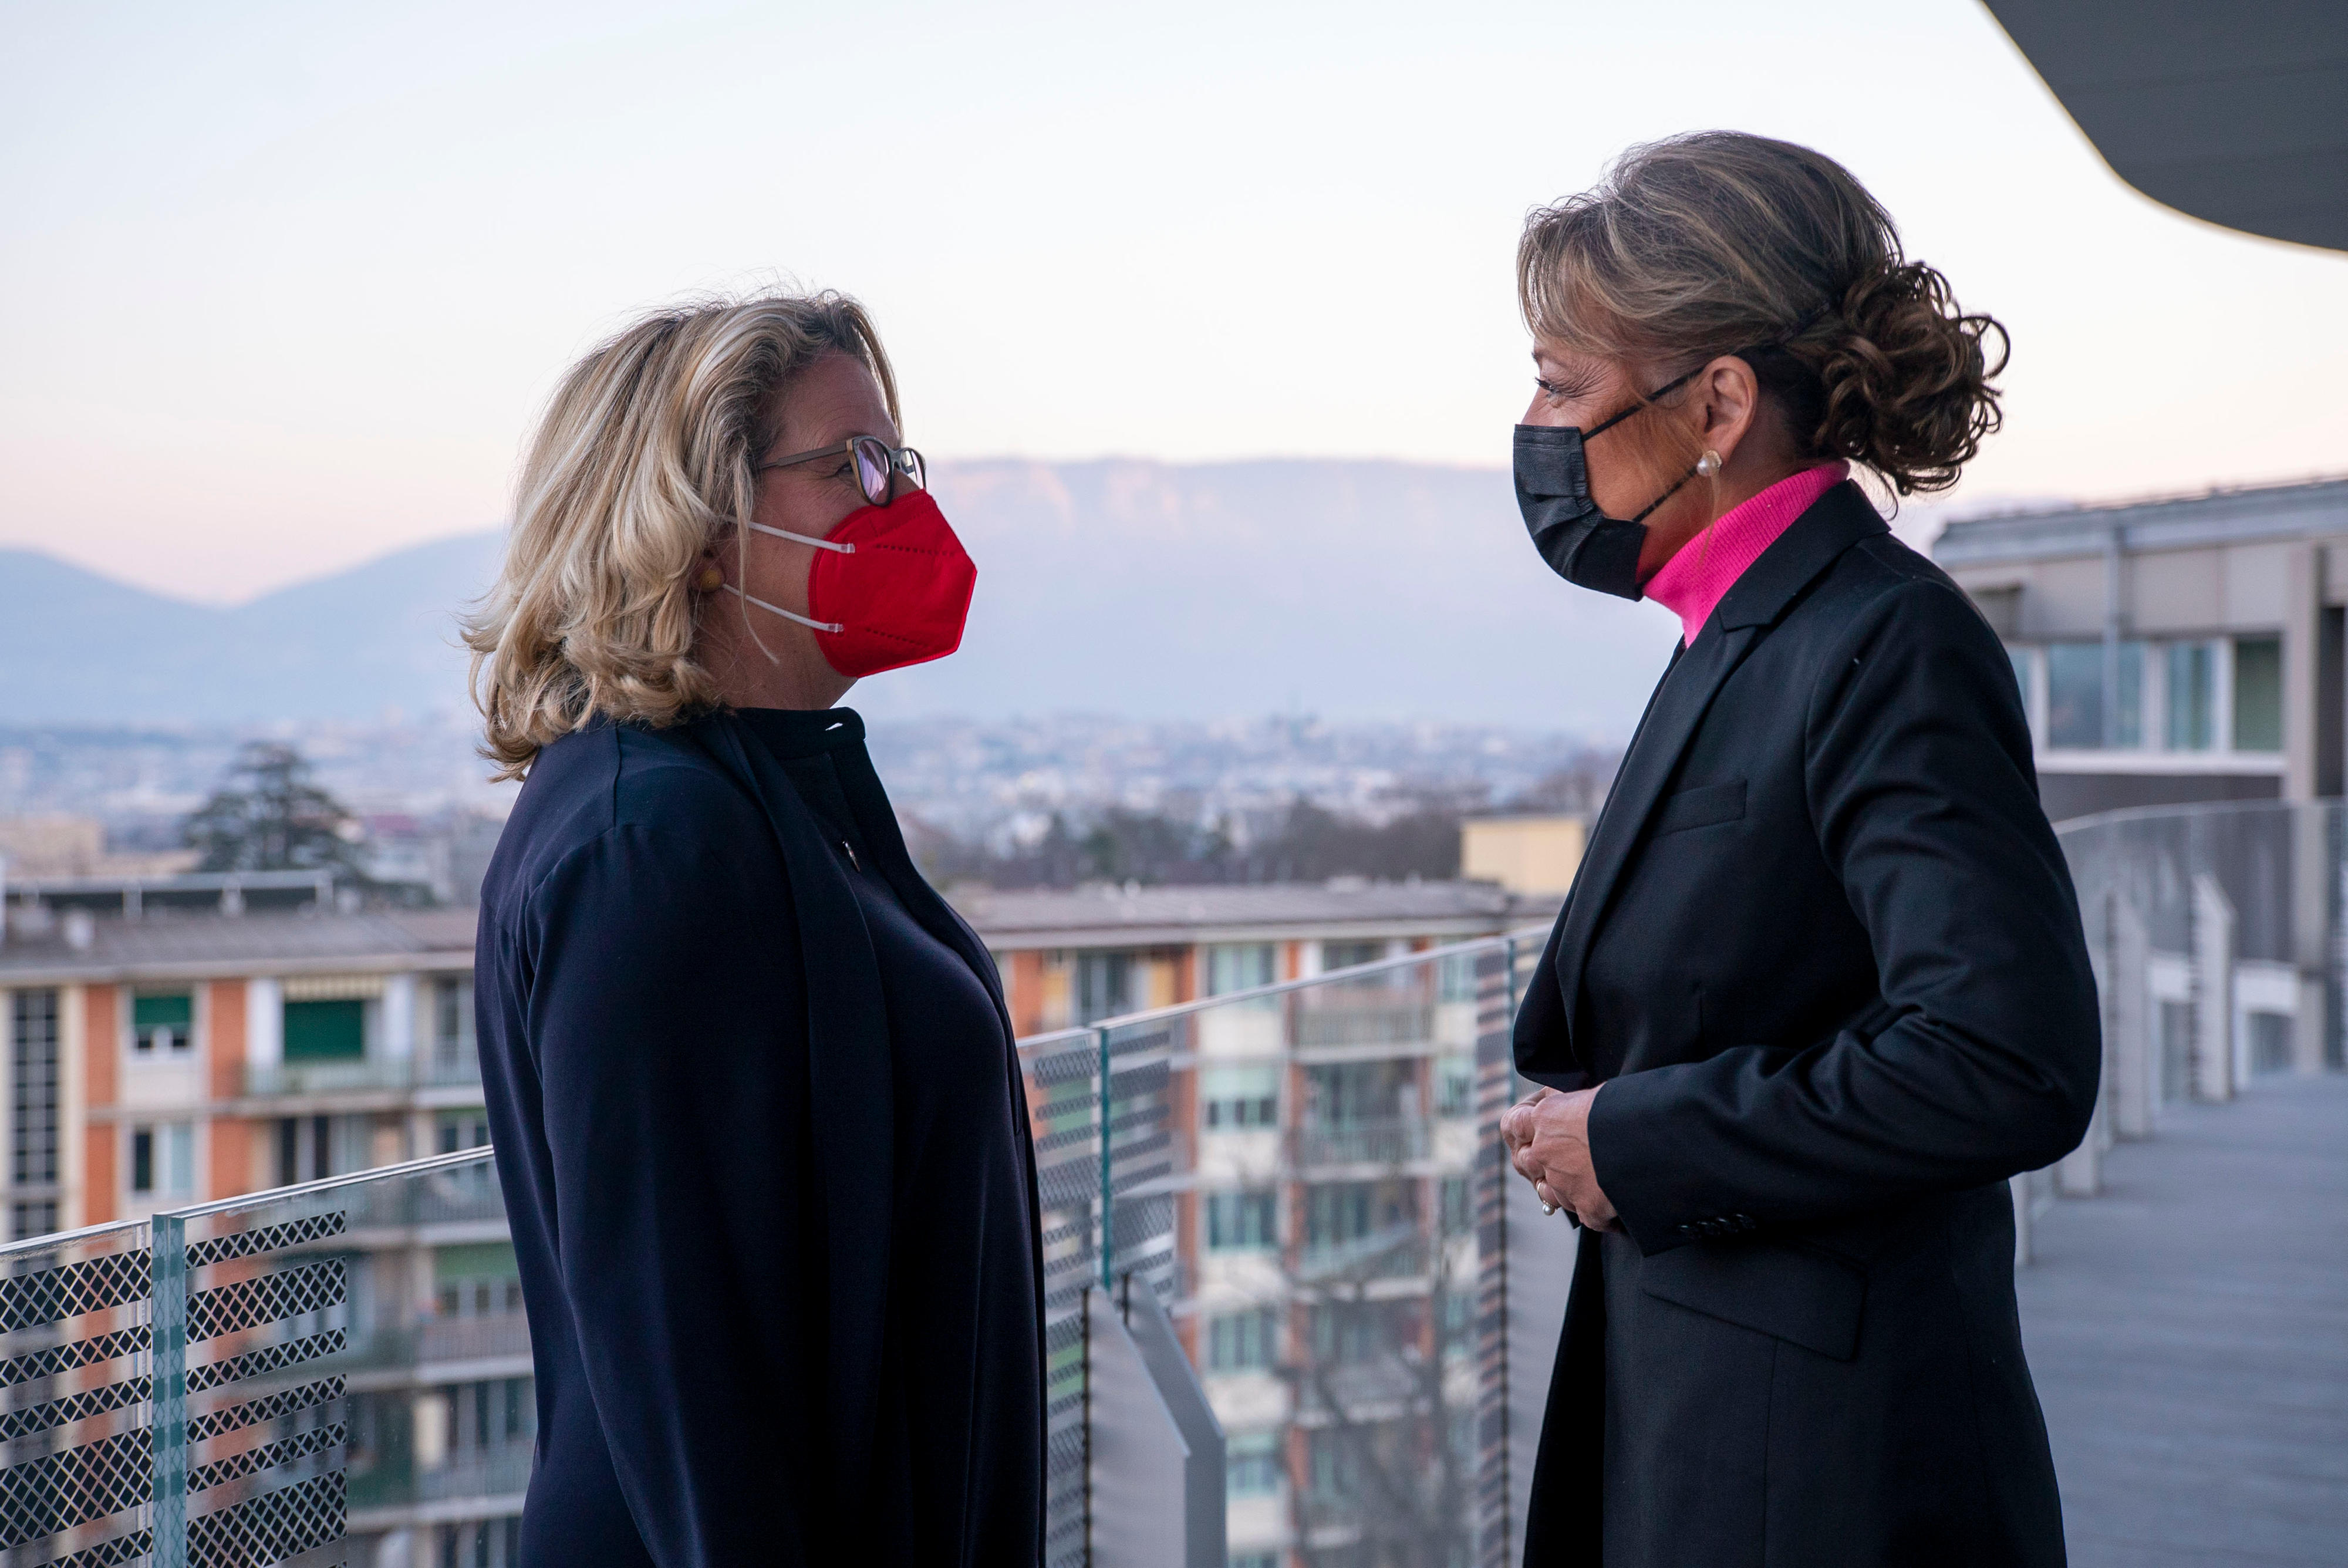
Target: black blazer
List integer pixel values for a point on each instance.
(686, 1052)
(1824, 956)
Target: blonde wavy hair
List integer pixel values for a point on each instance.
(642, 459)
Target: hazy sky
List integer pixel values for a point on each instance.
(282, 285)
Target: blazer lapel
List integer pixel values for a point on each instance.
(1832, 524)
(1680, 702)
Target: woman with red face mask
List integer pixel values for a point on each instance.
(758, 1114)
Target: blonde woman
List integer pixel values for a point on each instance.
(758, 1114)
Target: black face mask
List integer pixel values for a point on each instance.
(1581, 543)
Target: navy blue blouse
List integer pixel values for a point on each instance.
(766, 1157)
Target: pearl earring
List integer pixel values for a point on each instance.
(1708, 464)
(710, 580)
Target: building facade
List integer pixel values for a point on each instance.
(2173, 650)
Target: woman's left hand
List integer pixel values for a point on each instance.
(1548, 1144)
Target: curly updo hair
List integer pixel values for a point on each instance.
(1718, 242)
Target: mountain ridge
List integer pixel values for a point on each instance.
(1370, 588)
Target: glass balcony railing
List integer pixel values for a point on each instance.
(252, 1380)
(366, 1075)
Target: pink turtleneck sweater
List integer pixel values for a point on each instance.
(1691, 583)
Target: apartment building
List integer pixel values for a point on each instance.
(165, 1059)
(2173, 650)
(1311, 1204)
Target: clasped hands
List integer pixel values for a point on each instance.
(1548, 1135)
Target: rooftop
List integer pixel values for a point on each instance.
(2246, 514)
(193, 946)
(1135, 916)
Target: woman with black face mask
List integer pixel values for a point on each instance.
(1820, 986)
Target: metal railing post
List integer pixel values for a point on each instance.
(1108, 1170)
(167, 1320)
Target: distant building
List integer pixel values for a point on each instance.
(1524, 854)
(2173, 650)
(1070, 958)
(160, 1062)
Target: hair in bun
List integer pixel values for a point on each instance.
(1718, 243)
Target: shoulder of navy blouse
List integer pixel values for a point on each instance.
(686, 1059)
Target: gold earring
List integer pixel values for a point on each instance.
(1708, 464)
(710, 580)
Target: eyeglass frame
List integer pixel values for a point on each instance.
(918, 471)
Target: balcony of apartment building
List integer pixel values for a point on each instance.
(2177, 649)
(1294, 1305)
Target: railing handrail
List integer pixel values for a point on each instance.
(2183, 810)
(267, 1194)
(1281, 987)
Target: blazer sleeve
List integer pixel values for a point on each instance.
(669, 1034)
(1983, 1058)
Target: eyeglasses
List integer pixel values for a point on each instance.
(877, 463)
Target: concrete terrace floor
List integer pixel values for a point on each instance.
(2188, 1333)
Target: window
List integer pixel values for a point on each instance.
(1340, 1211)
(26, 1221)
(1458, 1200)
(1353, 1094)
(1334, 1467)
(2021, 658)
(2075, 714)
(1240, 1341)
(1241, 1221)
(2127, 717)
(2271, 1050)
(1353, 1332)
(1456, 1086)
(463, 1130)
(2257, 694)
(33, 1092)
(1104, 984)
(2074, 693)
(452, 1023)
(325, 1031)
(1238, 966)
(164, 1022)
(2192, 696)
(163, 1159)
(1252, 1465)
(1238, 1098)
(1345, 954)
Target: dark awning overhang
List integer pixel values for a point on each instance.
(2234, 111)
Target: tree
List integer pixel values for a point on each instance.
(268, 816)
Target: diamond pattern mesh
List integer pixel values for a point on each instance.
(64, 1358)
(230, 1417)
(268, 1299)
(57, 1412)
(271, 1527)
(268, 1239)
(72, 1487)
(253, 1363)
(52, 1293)
(107, 1554)
(285, 1450)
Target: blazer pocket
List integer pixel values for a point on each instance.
(1702, 807)
(1788, 1292)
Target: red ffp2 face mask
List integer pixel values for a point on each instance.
(891, 587)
